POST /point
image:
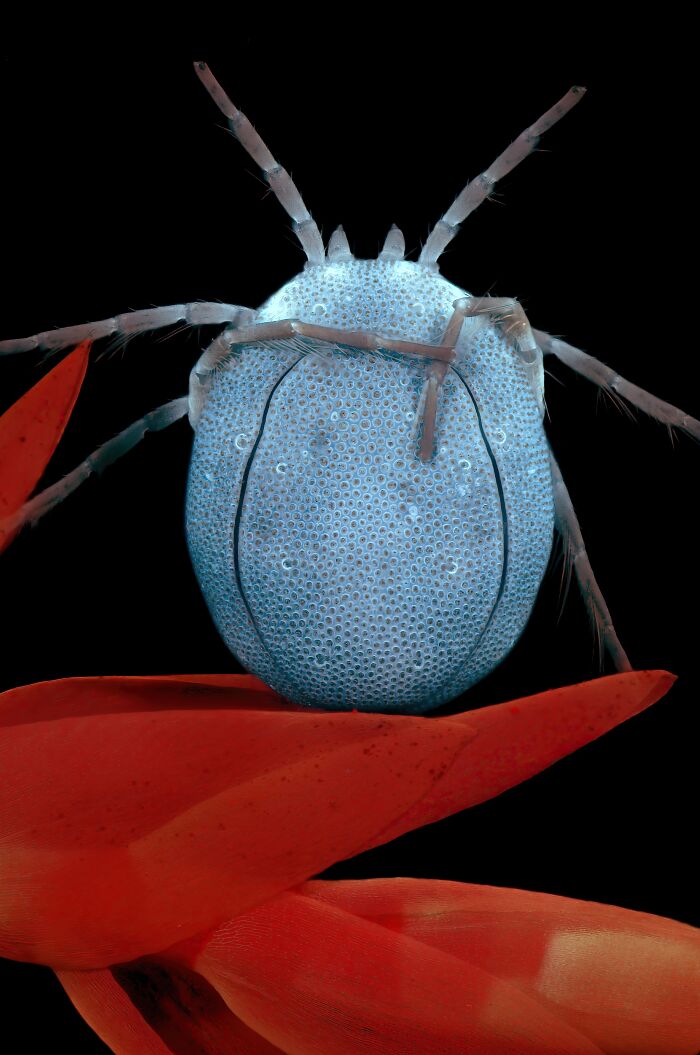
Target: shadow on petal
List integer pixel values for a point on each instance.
(148, 1009)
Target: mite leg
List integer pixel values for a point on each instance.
(427, 407)
(365, 340)
(510, 317)
(602, 375)
(198, 313)
(202, 374)
(568, 526)
(482, 186)
(278, 179)
(292, 330)
(109, 452)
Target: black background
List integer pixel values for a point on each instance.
(122, 189)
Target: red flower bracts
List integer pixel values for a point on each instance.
(158, 835)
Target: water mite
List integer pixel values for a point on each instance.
(371, 497)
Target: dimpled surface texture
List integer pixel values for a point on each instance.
(337, 566)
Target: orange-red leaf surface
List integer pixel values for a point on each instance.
(391, 966)
(522, 737)
(135, 812)
(30, 431)
(312, 978)
(123, 832)
(628, 980)
(82, 697)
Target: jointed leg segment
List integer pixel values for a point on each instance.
(197, 313)
(221, 349)
(279, 180)
(481, 187)
(439, 355)
(568, 525)
(602, 375)
(105, 455)
(509, 316)
(505, 313)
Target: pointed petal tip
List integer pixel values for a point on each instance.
(665, 677)
(636, 690)
(519, 738)
(30, 431)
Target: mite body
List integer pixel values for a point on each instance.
(339, 566)
(371, 496)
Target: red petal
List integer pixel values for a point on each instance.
(523, 737)
(125, 832)
(145, 1009)
(312, 978)
(628, 980)
(108, 1010)
(119, 821)
(75, 697)
(30, 431)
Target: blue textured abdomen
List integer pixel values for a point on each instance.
(337, 566)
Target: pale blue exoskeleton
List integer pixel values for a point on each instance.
(371, 496)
